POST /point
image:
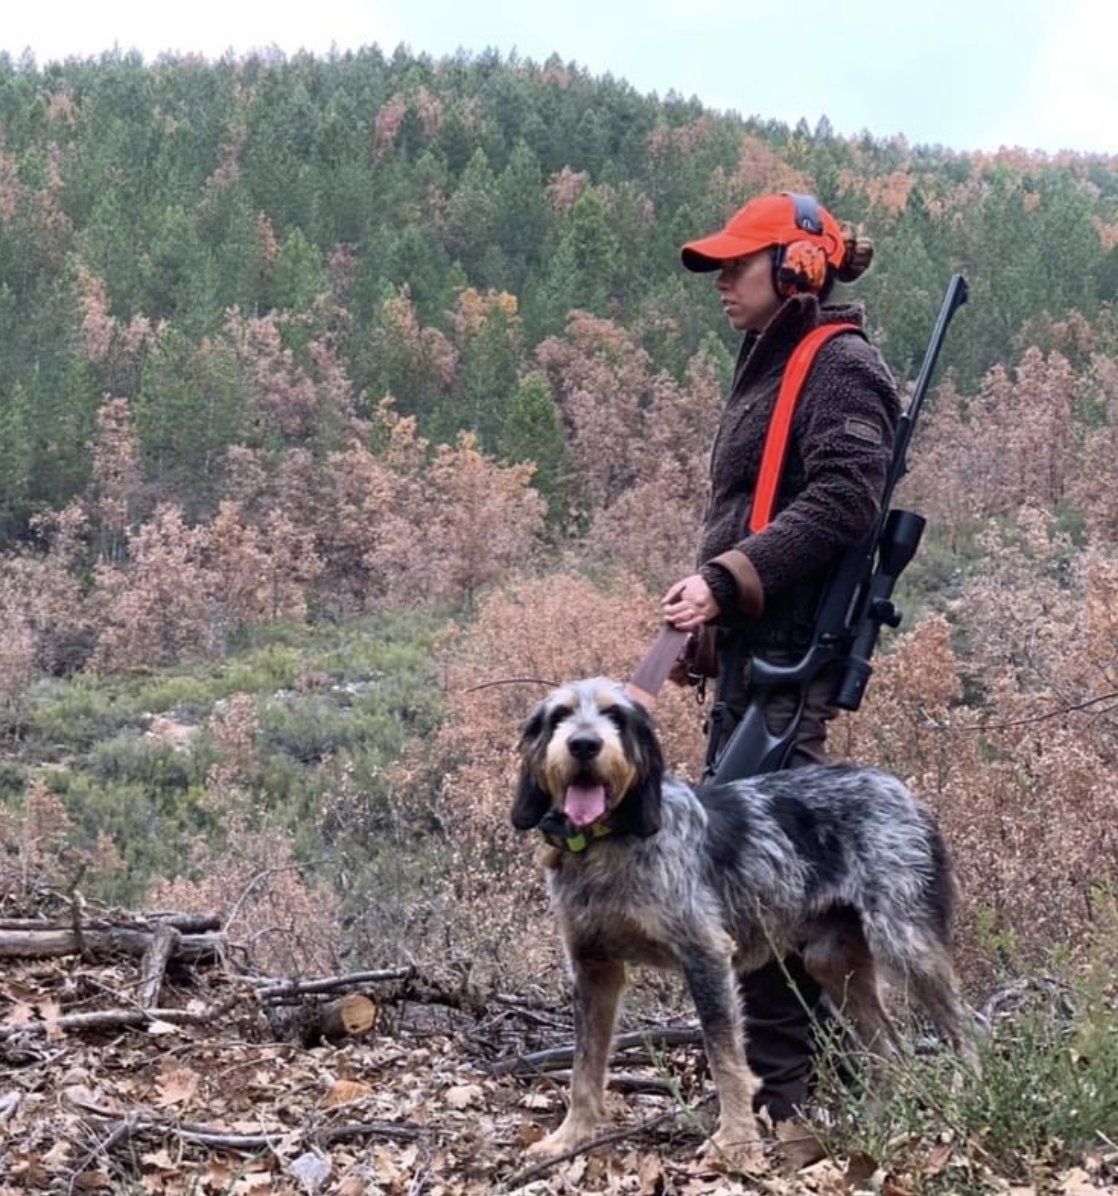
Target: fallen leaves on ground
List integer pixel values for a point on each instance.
(224, 1108)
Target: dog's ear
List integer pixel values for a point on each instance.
(639, 813)
(531, 802)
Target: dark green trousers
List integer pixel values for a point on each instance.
(781, 1023)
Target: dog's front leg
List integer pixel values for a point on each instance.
(598, 985)
(711, 978)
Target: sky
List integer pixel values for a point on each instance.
(962, 74)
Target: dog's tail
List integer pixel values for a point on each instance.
(940, 884)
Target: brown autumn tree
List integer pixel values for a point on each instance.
(116, 477)
(290, 399)
(652, 527)
(598, 376)
(262, 570)
(159, 607)
(483, 520)
(365, 535)
(1009, 444)
(116, 348)
(639, 444)
(42, 597)
(1091, 487)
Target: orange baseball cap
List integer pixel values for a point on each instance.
(764, 221)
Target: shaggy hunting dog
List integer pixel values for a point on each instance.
(841, 864)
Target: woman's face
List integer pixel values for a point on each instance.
(749, 298)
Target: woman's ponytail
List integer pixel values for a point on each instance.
(859, 252)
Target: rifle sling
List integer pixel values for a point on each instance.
(779, 433)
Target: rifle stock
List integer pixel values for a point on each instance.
(855, 605)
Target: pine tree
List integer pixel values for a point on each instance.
(533, 433)
(15, 460)
(471, 215)
(299, 275)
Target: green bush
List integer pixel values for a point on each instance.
(152, 834)
(336, 705)
(132, 758)
(1047, 1094)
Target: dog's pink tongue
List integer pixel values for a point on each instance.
(585, 803)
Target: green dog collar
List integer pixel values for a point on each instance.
(578, 843)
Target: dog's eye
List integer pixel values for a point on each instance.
(616, 715)
(557, 716)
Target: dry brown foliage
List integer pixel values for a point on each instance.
(38, 850)
(1011, 443)
(116, 474)
(159, 608)
(999, 709)
(263, 569)
(46, 618)
(999, 712)
(285, 923)
(624, 419)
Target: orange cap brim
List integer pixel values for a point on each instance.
(713, 252)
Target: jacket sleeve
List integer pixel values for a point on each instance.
(843, 432)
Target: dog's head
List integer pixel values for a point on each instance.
(590, 755)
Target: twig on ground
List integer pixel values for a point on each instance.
(557, 1056)
(268, 988)
(164, 943)
(107, 1019)
(76, 904)
(134, 1125)
(120, 1132)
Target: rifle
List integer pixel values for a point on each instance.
(855, 605)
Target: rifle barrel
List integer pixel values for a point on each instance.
(954, 298)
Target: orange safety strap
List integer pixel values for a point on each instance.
(780, 426)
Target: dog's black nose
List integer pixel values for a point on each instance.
(584, 747)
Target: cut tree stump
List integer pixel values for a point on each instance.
(349, 1017)
(311, 1023)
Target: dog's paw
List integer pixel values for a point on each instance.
(737, 1150)
(564, 1140)
(796, 1145)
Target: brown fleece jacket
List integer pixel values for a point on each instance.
(830, 493)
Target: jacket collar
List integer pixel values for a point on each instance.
(793, 320)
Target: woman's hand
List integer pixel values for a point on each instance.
(689, 604)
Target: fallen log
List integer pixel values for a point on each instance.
(100, 940)
(187, 923)
(114, 1019)
(312, 1022)
(164, 943)
(270, 989)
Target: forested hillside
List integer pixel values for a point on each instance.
(187, 235)
(332, 391)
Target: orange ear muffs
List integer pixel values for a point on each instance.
(801, 266)
(798, 268)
